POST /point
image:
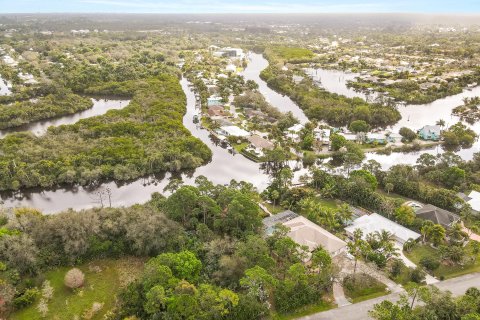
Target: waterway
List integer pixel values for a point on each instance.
(38, 128)
(225, 166)
(414, 116)
(5, 87)
(283, 103)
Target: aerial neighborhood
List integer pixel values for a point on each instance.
(239, 166)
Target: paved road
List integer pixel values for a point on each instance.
(359, 311)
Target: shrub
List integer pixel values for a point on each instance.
(396, 268)
(74, 278)
(429, 263)
(417, 275)
(27, 298)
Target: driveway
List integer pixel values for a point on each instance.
(359, 311)
(428, 278)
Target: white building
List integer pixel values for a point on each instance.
(473, 200)
(375, 222)
(234, 131)
(306, 233)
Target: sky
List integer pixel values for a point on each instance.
(240, 6)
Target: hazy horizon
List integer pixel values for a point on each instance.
(246, 6)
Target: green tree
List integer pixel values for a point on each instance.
(405, 215)
(359, 126)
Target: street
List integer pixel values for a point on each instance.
(359, 311)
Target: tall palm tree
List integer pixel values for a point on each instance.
(441, 123)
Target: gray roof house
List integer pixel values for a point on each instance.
(437, 215)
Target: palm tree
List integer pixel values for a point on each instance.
(384, 236)
(408, 245)
(355, 247)
(441, 123)
(456, 232)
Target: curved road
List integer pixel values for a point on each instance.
(359, 311)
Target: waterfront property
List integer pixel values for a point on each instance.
(430, 133)
(305, 232)
(233, 131)
(214, 101)
(375, 222)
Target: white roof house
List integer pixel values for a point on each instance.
(474, 200)
(296, 128)
(305, 232)
(234, 131)
(375, 222)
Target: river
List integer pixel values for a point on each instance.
(221, 170)
(38, 128)
(283, 103)
(224, 166)
(4, 87)
(414, 116)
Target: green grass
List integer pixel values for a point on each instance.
(103, 279)
(305, 311)
(446, 271)
(364, 288)
(328, 203)
(289, 53)
(274, 209)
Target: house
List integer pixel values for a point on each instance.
(473, 199)
(322, 136)
(394, 137)
(216, 111)
(306, 233)
(233, 131)
(214, 101)
(376, 138)
(349, 136)
(375, 222)
(259, 143)
(430, 133)
(438, 216)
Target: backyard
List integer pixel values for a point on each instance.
(102, 279)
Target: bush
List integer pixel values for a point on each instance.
(408, 135)
(26, 299)
(74, 278)
(396, 268)
(429, 263)
(417, 275)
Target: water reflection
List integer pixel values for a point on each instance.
(5, 87)
(413, 116)
(283, 103)
(38, 128)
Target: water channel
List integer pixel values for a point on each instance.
(5, 87)
(413, 116)
(224, 166)
(38, 128)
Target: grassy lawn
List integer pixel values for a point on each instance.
(363, 288)
(274, 209)
(328, 203)
(305, 311)
(290, 53)
(103, 278)
(446, 271)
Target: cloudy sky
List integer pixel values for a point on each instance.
(241, 6)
